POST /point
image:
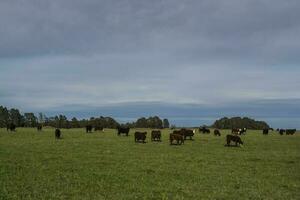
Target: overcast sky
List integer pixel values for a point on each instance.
(101, 52)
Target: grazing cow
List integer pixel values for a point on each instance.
(156, 136)
(290, 131)
(57, 134)
(265, 131)
(89, 128)
(11, 127)
(39, 127)
(281, 131)
(140, 136)
(177, 137)
(123, 130)
(204, 130)
(185, 133)
(233, 138)
(238, 131)
(217, 132)
(99, 128)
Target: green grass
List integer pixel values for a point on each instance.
(104, 166)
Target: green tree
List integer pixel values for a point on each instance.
(166, 123)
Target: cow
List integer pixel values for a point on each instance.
(238, 131)
(281, 131)
(243, 131)
(233, 138)
(290, 131)
(185, 133)
(179, 138)
(123, 130)
(39, 127)
(140, 136)
(11, 127)
(156, 136)
(217, 132)
(88, 128)
(265, 131)
(57, 134)
(99, 128)
(204, 130)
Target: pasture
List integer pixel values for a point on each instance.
(102, 165)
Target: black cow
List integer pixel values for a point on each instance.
(179, 138)
(238, 131)
(204, 130)
(233, 138)
(11, 127)
(39, 127)
(140, 136)
(89, 128)
(123, 130)
(290, 131)
(217, 132)
(156, 135)
(57, 134)
(281, 131)
(265, 131)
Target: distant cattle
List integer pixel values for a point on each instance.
(281, 131)
(123, 130)
(89, 128)
(99, 128)
(11, 127)
(217, 132)
(233, 138)
(155, 135)
(140, 136)
(179, 138)
(57, 134)
(39, 127)
(265, 131)
(185, 133)
(290, 131)
(204, 130)
(238, 131)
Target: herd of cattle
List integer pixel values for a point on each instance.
(178, 136)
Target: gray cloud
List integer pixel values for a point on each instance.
(209, 52)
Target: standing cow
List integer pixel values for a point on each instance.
(290, 131)
(156, 135)
(265, 131)
(57, 134)
(217, 132)
(11, 127)
(140, 136)
(233, 138)
(89, 128)
(39, 127)
(179, 138)
(123, 130)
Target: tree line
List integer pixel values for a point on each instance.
(238, 122)
(8, 116)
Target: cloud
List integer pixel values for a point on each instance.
(209, 52)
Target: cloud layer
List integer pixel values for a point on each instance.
(210, 53)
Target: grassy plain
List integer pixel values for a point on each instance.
(100, 165)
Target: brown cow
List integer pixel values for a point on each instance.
(233, 138)
(156, 136)
(217, 132)
(140, 136)
(185, 133)
(177, 137)
(57, 134)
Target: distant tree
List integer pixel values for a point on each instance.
(42, 117)
(30, 120)
(166, 123)
(15, 117)
(238, 122)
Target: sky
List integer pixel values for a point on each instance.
(168, 57)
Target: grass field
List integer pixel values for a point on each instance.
(104, 166)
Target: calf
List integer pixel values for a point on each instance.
(265, 131)
(57, 134)
(177, 137)
(156, 136)
(233, 138)
(140, 136)
(217, 132)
